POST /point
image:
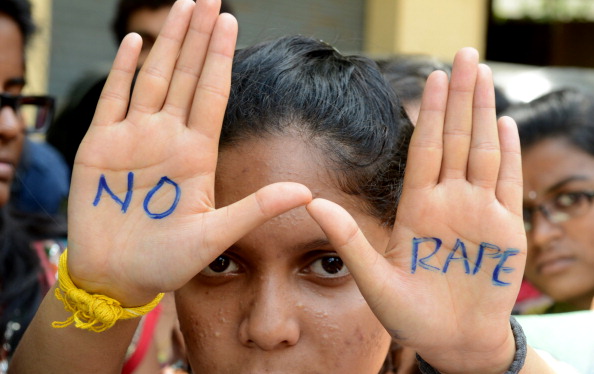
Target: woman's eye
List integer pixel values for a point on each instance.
(222, 265)
(329, 267)
(566, 200)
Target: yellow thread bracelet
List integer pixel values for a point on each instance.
(92, 311)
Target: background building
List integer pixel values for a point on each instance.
(75, 37)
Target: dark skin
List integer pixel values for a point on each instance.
(12, 81)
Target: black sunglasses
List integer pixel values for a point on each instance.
(36, 111)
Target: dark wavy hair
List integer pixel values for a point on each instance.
(408, 73)
(566, 114)
(20, 12)
(340, 104)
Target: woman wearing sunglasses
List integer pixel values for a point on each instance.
(23, 236)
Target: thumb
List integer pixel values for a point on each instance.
(365, 264)
(231, 223)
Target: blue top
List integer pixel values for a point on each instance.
(42, 180)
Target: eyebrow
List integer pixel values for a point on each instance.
(565, 181)
(305, 246)
(312, 245)
(15, 82)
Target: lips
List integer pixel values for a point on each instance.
(7, 170)
(553, 265)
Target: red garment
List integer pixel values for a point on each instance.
(527, 291)
(144, 342)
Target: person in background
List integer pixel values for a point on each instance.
(28, 241)
(145, 17)
(557, 135)
(557, 138)
(408, 73)
(42, 179)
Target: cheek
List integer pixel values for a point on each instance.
(208, 326)
(338, 331)
(347, 333)
(581, 234)
(19, 142)
(4, 194)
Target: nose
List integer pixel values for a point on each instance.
(271, 319)
(10, 123)
(543, 231)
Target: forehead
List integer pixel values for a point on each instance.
(11, 51)
(550, 161)
(244, 168)
(254, 163)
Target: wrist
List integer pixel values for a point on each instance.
(125, 297)
(507, 359)
(94, 279)
(94, 312)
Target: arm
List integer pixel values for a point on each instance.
(70, 350)
(446, 284)
(142, 218)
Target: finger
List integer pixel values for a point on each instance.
(426, 145)
(154, 77)
(113, 102)
(232, 222)
(458, 120)
(191, 59)
(509, 184)
(484, 157)
(362, 260)
(212, 92)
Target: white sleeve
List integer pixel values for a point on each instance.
(559, 366)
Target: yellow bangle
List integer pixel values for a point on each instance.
(91, 311)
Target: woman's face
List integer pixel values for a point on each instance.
(280, 300)
(11, 82)
(560, 255)
(147, 22)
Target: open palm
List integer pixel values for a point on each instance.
(447, 282)
(141, 215)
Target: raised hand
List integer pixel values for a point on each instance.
(447, 282)
(142, 212)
